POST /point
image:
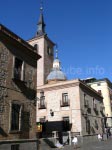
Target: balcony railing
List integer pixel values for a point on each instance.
(42, 106)
(65, 103)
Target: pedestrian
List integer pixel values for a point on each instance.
(75, 141)
(107, 132)
(102, 137)
(58, 144)
(99, 137)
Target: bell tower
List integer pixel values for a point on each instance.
(44, 47)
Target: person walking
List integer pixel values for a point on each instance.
(99, 137)
(75, 141)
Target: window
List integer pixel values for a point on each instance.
(96, 124)
(95, 105)
(42, 101)
(43, 123)
(15, 147)
(49, 51)
(15, 117)
(36, 48)
(88, 126)
(102, 108)
(102, 124)
(66, 125)
(1, 119)
(86, 102)
(65, 100)
(110, 95)
(100, 92)
(1, 108)
(18, 72)
(98, 84)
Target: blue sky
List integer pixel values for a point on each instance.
(81, 28)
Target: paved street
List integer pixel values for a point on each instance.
(103, 145)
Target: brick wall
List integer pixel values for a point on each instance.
(24, 92)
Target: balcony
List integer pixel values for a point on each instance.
(42, 106)
(65, 103)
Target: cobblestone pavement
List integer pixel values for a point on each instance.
(103, 145)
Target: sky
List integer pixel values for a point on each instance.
(82, 30)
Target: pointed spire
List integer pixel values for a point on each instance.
(41, 24)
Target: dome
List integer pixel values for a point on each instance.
(56, 75)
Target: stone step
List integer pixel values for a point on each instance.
(46, 144)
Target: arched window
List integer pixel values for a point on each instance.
(36, 48)
(49, 51)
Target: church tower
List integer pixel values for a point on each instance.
(44, 47)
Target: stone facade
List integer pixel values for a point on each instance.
(82, 107)
(18, 75)
(104, 87)
(45, 49)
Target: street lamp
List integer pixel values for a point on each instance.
(51, 112)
